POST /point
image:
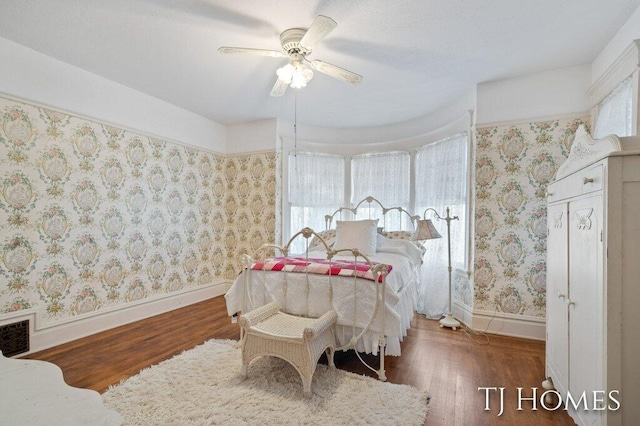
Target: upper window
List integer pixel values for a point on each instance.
(384, 176)
(316, 188)
(615, 112)
(441, 182)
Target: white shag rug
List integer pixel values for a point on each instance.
(203, 386)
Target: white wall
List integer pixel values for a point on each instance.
(270, 134)
(349, 146)
(549, 94)
(255, 136)
(38, 78)
(412, 133)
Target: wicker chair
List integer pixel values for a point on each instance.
(300, 341)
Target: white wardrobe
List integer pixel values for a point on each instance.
(593, 281)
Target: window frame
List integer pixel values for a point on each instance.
(598, 108)
(623, 67)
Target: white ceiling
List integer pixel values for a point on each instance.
(416, 56)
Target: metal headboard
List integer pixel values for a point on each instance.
(413, 219)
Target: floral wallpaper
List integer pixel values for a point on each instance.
(513, 166)
(93, 216)
(251, 204)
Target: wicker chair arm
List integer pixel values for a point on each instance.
(320, 325)
(257, 315)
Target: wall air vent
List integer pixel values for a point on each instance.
(14, 338)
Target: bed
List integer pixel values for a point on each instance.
(354, 269)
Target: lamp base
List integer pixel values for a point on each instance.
(450, 321)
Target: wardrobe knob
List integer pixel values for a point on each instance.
(587, 180)
(561, 296)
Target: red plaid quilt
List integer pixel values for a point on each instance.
(346, 268)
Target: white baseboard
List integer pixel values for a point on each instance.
(44, 335)
(527, 327)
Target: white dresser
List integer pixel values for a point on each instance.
(593, 281)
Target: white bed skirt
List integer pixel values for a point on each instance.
(313, 296)
(369, 342)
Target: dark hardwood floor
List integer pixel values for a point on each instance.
(443, 362)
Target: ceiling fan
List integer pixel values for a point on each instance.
(297, 43)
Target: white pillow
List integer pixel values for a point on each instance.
(360, 234)
(411, 249)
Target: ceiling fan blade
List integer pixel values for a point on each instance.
(336, 72)
(322, 26)
(249, 51)
(279, 88)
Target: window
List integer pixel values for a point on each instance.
(316, 188)
(615, 112)
(441, 182)
(384, 176)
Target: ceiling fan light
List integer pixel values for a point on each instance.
(298, 82)
(295, 74)
(301, 76)
(285, 73)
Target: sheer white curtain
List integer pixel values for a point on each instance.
(441, 182)
(614, 112)
(384, 176)
(316, 188)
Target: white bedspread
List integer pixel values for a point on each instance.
(313, 295)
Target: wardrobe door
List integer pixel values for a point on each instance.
(557, 349)
(586, 300)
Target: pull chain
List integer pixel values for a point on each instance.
(295, 129)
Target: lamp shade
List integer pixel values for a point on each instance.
(426, 231)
